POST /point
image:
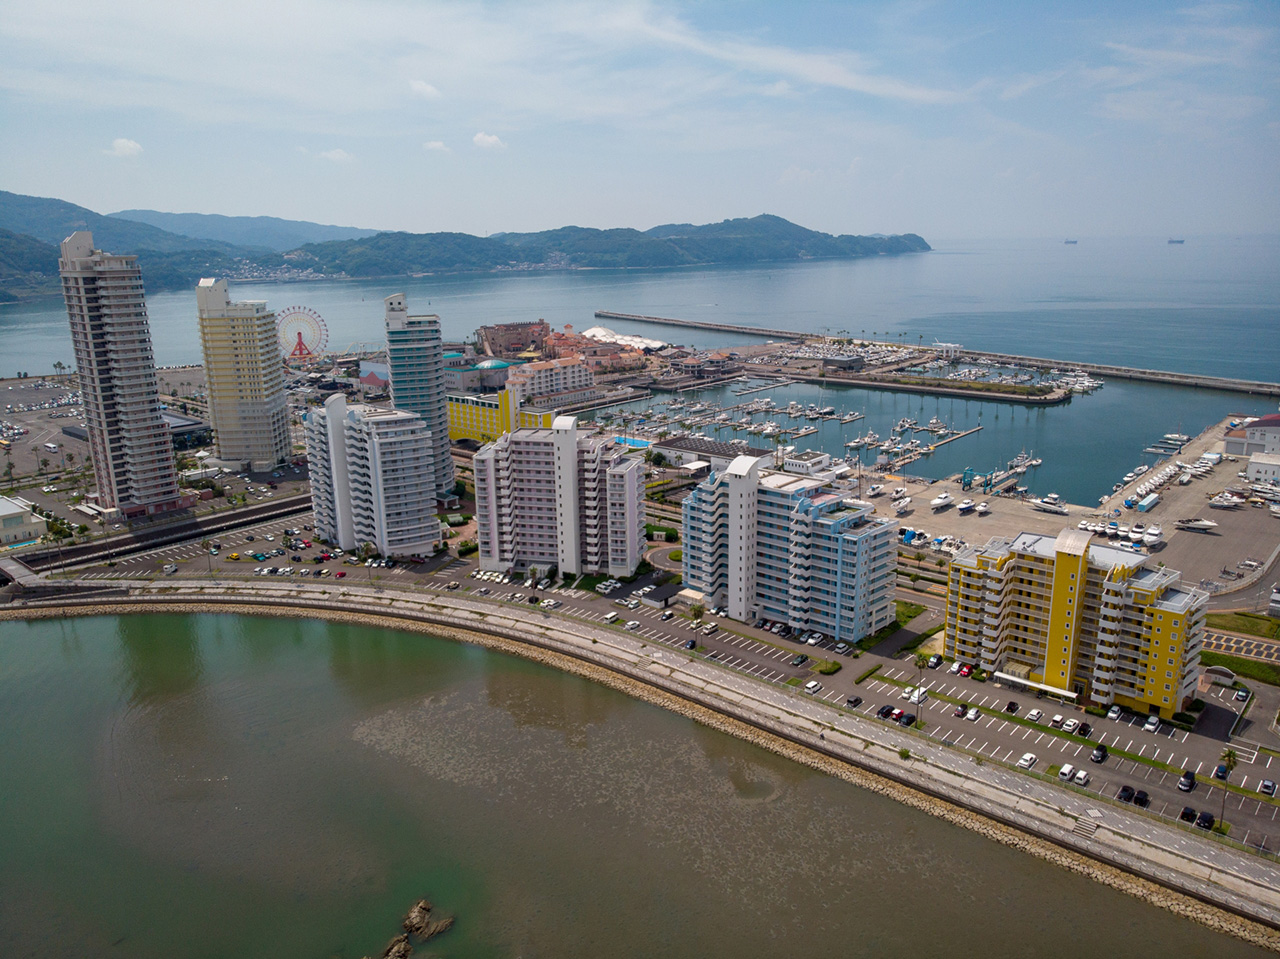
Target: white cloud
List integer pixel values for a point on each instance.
(438, 145)
(425, 90)
(336, 156)
(123, 147)
(487, 141)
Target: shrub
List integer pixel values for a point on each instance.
(829, 668)
(868, 674)
(467, 547)
(904, 753)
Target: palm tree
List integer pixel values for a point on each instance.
(44, 463)
(8, 473)
(207, 546)
(1229, 759)
(922, 663)
(58, 367)
(696, 611)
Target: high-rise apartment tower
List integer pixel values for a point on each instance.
(244, 377)
(129, 442)
(415, 360)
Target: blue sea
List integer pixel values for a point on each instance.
(1210, 305)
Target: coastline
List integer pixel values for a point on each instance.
(820, 754)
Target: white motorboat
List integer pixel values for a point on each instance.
(1113, 530)
(1153, 535)
(875, 490)
(1136, 532)
(966, 505)
(1050, 504)
(898, 493)
(982, 509)
(900, 506)
(941, 501)
(1197, 525)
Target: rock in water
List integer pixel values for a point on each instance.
(398, 948)
(435, 927)
(418, 918)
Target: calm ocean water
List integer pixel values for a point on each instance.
(1211, 305)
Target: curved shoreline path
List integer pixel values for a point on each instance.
(1189, 875)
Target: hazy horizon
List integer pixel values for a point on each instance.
(982, 120)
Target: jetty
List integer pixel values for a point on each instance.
(704, 325)
(1133, 373)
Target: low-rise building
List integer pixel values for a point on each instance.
(1088, 622)
(19, 524)
(686, 449)
(1263, 468)
(372, 478)
(1261, 435)
(789, 549)
(555, 497)
(807, 462)
(483, 417)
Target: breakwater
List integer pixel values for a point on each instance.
(703, 325)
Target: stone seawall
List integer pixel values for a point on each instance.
(913, 781)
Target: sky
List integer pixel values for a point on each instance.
(955, 119)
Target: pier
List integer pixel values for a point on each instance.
(704, 325)
(1133, 373)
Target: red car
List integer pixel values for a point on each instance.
(966, 669)
(896, 715)
(339, 574)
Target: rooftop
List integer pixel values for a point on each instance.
(705, 447)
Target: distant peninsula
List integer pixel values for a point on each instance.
(31, 228)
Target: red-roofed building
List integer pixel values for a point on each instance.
(1256, 436)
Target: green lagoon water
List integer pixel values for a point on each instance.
(223, 786)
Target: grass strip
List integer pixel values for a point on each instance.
(1266, 627)
(1254, 669)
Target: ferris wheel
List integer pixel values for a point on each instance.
(303, 334)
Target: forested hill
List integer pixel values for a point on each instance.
(32, 227)
(756, 240)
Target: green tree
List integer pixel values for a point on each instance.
(922, 663)
(206, 545)
(696, 611)
(44, 463)
(1229, 759)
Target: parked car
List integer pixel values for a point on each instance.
(884, 712)
(690, 644)
(1011, 707)
(896, 714)
(1220, 772)
(799, 660)
(1056, 721)
(1071, 725)
(1085, 730)
(966, 670)
(1035, 715)
(1152, 725)
(812, 686)
(853, 702)
(1099, 754)
(1242, 695)
(841, 648)
(1187, 782)
(961, 709)
(1113, 712)
(973, 715)
(1205, 820)
(1140, 798)
(907, 719)
(1125, 794)
(955, 668)
(632, 624)
(1081, 777)
(935, 661)
(1188, 814)
(1267, 787)
(1027, 761)
(666, 615)
(1067, 772)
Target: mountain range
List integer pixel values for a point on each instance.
(175, 250)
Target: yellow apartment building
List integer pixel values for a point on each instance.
(483, 417)
(1092, 623)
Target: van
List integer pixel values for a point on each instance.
(170, 569)
(612, 618)
(709, 628)
(1067, 772)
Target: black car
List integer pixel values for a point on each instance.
(690, 644)
(884, 712)
(1099, 754)
(1140, 798)
(1188, 781)
(1205, 820)
(1125, 794)
(250, 538)
(1220, 772)
(296, 559)
(1084, 730)
(800, 660)
(935, 661)
(1188, 814)
(1011, 707)
(908, 719)
(853, 702)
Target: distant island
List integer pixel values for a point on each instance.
(32, 227)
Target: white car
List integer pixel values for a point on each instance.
(1035, 716)
(1152, 725)
(919, 696)
(812, 686)
(632, 624)
(973, 714)
(1027, 761)
(814, 639)
(955, 668)
(1081, 778)
(908, 692)
(1113, 712)
(1071, 725)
